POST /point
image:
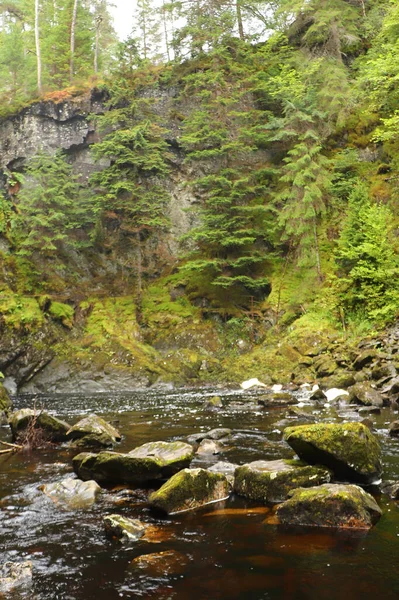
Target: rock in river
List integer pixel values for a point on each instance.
(72, 493)
(15, 578)
(52, 429)
(93, 431)
(190, 489)
(172, 456)
(330, 505)
(155, 460)
(350, 450)
(363, 393)
(123, 528)
(271, 480)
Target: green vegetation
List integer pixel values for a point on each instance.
(274, 155)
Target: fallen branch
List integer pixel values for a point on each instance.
(17, 446)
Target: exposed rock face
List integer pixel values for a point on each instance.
(190, 489)
(338, 506)
(271, 481)
(49, 126)
(72, 493)
(350, 450)
(123, 528)
(52, 429)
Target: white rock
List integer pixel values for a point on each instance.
(315, 388)
(333, 393)
(252, 383)
(277, 387)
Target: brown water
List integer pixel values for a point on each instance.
(230, 550)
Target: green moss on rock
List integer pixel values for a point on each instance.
(271, 481)
(5, 400)
(53, 429)
(190, 489)
(114, 467)
(338, 506)
(350, 450)
(171, 456)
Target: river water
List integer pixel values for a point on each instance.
(227, 551)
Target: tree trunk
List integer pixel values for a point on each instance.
(239, 20)
(96, 48)
(316, 243)
(37, 41)
(73, 27)
(165, 29)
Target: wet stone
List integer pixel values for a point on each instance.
(15, 577)
(350, 450)
(330, 505)
(72, 493)
(271, 481)
(190, 489)
(95, 431)
(209, 447)
(171, 456)
(52, 429)
(363, 393)
(123, 528)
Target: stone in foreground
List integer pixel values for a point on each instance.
(171, 456)
(14, 576)
(160, 564)
(52, 429)
(94, 431)
(350, 450)
(330, 505)
(114, 467)
(72, 493)
(190, 489)
(272, 480)
(123, 528)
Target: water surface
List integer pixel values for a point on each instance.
(229, 550)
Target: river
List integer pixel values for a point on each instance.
(225, 551)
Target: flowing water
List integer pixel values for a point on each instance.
(228, 550)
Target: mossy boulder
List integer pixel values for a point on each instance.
(325, 366)
(363, 393)
(340, 380)
(170, 456)
(5, 400)
(72, 493)
(271, 481)
(364, 359)
(49, 427)
(92, 432)
(123, 528)
(330, 505)
(350, 450)
(114, 467)
(190, 489)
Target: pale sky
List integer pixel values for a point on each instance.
(122, 13)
